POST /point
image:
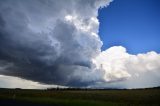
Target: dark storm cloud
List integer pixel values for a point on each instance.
(38, 43)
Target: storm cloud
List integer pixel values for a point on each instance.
(51, 41)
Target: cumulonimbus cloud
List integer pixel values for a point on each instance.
(57, 42)
(51, 41)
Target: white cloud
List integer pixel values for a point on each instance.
(141, 70)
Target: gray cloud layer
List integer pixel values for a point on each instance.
(49, 41)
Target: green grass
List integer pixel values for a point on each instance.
(146, 97)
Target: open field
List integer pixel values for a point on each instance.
(72, 97)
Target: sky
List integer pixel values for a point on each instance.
(134, 24)
(79, 43)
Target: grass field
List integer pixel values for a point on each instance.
(141, 97)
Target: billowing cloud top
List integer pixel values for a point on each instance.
(57, 42)
(132, 71)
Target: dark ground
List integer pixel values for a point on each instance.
(80, 97)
